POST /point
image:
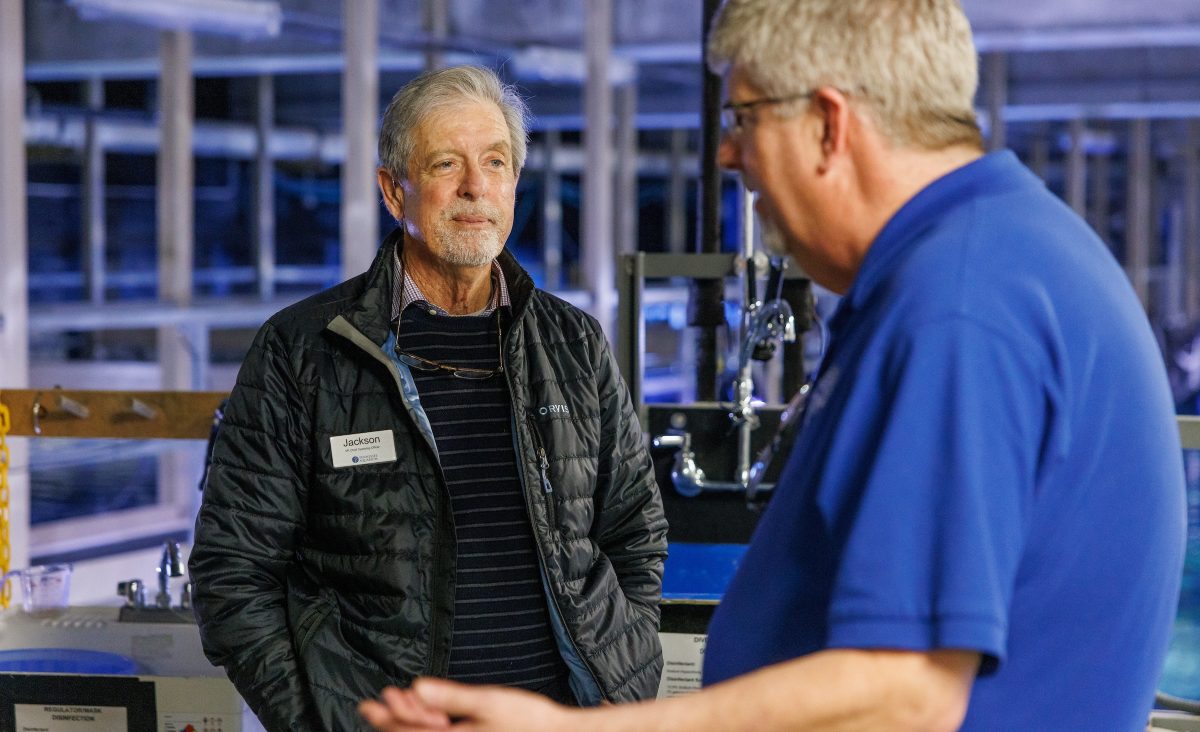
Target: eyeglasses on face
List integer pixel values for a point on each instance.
(736, 117)
(421, 363)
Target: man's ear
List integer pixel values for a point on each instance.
(834, 107)
(392, 191)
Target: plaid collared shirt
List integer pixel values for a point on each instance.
(407, 293)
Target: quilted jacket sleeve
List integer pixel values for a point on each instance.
(630, 527)
(247, 530)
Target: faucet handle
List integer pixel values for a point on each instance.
(669, 440)
(171, 560)
(169, 565)
(134, 592)
(675, 438)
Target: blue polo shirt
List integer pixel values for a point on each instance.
(989, 461)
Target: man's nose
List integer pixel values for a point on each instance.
(473, 183)
(728, 153)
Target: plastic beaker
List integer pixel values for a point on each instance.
(45, 587)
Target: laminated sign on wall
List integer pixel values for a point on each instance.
(683, 661)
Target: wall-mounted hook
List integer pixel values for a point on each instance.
(37, 413)
(142, 409)
(62, 403)
(72, 407)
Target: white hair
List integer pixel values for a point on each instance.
(442, 88)
(911, 64)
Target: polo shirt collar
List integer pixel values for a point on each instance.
(994, 172)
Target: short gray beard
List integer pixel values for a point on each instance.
(470, 249)
(773, 238)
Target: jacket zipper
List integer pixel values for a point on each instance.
(543, 467)
(310, 621)
(552, 596)
(361, 341)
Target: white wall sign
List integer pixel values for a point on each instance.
(683, 661)
(70, 718)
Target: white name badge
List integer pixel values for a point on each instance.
(362, 448)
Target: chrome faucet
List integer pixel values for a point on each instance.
(134, 592)
(687, 476)
(169, 566)
(764, 324)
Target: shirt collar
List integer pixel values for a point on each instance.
(993, 172)
(406, 292)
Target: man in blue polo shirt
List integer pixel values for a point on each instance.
(981, 524)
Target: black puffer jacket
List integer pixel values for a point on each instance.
(316, 587)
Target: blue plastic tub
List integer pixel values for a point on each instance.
(66, 661)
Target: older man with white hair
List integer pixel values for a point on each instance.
(433, 468)
(981, 523)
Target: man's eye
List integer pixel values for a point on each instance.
(443, 165)
(497, 163)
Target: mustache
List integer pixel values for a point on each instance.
(485, 210)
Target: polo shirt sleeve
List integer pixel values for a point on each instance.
(931, 532)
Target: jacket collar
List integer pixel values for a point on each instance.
(370, 312)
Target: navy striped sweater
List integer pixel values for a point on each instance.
(502, 631)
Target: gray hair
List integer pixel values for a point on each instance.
(910, 63)
(442, 88)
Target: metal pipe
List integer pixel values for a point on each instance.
(176, 203)
(176, 168)
(230, 139)
(626, 188)
(996, 69)
(360, 113)
(238, 141)
(551, 212)
(179, 365)
(1191, 221)
(264, 187)
(677, 193)
(401, 58)
(706, 303)
(688, 478)
(1077, 168)
(436, 22)
(94, 194)
(798, 294)
(743, 414)
(1039, 153)
(597, 244)
(1098, 213)
(631, 325)
(1138, 218)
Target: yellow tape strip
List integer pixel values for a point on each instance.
(5, 548)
